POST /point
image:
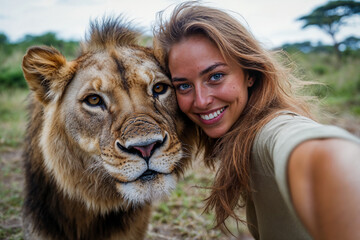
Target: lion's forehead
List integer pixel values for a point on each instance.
(123, 65)
(138, 57)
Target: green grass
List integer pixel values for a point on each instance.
(340, 91)
(11, 199)
(12, 128)
(13, 117)
(183, 213)
(10, 207)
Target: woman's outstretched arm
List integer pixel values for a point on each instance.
(324, 181)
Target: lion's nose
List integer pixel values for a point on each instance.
(143, 149)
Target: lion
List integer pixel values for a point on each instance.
(105, 137)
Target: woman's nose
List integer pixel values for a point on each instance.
(203, 97)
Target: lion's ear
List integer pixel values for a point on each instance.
(47, 72)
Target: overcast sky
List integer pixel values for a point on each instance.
(272, 22)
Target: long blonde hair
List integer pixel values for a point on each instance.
(274, 89)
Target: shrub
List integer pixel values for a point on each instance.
(12, 78)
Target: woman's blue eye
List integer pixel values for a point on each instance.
(216, 76)
(183, 87)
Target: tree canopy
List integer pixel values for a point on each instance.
(331, 16)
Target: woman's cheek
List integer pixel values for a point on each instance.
(183, 103)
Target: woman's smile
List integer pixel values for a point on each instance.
(213, 116)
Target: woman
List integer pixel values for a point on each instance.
(297, 178)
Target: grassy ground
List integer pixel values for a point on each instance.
(181, 217)
(12, 127)
(12, 118)
(11, 183)
(340, 89)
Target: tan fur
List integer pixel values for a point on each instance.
(83, 165)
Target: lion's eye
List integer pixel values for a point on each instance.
(94, 100)
(159, 88)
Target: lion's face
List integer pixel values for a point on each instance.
(111, 124)
(120, 108)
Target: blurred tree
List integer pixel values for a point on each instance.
(351, 46)
(68, 48)
(48, 39)
(3, 38)
(304, 47)
(330, 17)
(352, 42)
(11, 53)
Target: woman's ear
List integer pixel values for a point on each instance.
(250, 81)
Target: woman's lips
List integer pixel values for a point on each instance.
(212, 117)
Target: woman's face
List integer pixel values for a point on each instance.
(211, 91)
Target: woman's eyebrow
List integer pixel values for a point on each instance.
(210, 68)
(178, 79)
(203, 72)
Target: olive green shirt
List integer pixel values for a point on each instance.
(270, 213)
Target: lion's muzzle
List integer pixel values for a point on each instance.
(141, 135)
(144, 149)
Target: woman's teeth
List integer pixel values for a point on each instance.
(212, 115)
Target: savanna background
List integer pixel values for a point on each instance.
(335, 66)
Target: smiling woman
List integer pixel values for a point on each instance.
(256, 127)
(211, 91)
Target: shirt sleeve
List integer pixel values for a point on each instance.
(281, 135)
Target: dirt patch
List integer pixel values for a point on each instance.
(11, 186)
(10, 162)
(348, 122)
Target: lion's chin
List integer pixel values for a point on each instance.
(140, 192)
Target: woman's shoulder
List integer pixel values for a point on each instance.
(287, 119)
(287, 124)
(286, 130)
